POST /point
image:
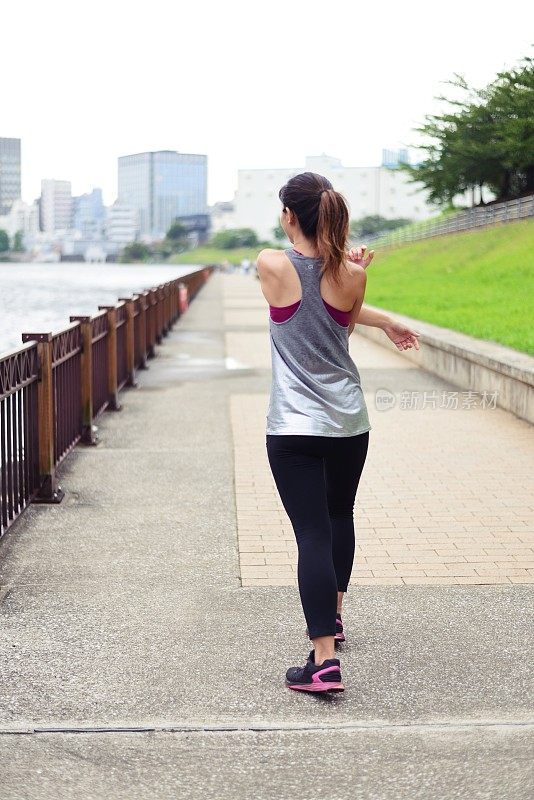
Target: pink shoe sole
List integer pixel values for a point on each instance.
(317, 687)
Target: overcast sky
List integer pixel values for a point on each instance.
(251, 84)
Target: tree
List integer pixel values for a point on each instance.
(4, 241)
(485, 139)
(235, 237)
(18, 243)
(511, 103)
(177, 231)
(135, 251)
(175, 240)
(165, 249)
(373, 224)
(279, 233)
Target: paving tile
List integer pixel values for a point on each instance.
(431, 510)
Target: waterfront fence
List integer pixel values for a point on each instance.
(54, 387)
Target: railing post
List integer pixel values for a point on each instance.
(143, 334)
(183, 297)
(171, 303)
(176, 299)
(130, 342)
(49, 490)
(165, 315)
(157, 314)
(151, 323)
(89, 435)
(167, 306)
(161, 308)
(113, 391)
(172, 291)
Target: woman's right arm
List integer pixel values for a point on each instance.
(361, 282)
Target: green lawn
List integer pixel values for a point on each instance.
(212, 255)
(479, 282)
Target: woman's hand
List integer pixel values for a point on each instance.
(357, 256)
(402, 337)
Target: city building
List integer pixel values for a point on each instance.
(122, 224)
(222, 216)
(23, 218)
(55, 206)
(163, 186)
(9, 173)
(89, 214)
(392, 158)
(382, 190)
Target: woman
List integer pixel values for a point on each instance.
(317, 424)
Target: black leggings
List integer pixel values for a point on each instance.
(317, 478)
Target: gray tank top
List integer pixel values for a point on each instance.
(315, 388)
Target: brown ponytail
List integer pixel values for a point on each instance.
(332, 231)
(323, 216)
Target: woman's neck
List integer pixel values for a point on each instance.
(305, 247)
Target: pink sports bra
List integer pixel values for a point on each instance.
(283, 313)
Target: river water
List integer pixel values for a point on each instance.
(41, 297)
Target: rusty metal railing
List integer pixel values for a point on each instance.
(98, 333)
(19, 460)
(56, 385)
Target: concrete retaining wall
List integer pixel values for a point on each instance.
(469, 363)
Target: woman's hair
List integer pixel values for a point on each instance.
(323, 216)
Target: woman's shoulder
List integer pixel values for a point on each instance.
(270, 260)
(353, 273)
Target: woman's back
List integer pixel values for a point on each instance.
(316, 388)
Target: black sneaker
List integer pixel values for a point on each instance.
(340, 635)
(313, 678)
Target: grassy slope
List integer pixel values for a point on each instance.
(479, 282)
(422, 224)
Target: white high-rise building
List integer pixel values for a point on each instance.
(378, 190)
(9, 173)
(56, 205)
(122, 224)
(222, 216)
(22, 217)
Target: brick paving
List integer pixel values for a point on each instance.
(446, 496)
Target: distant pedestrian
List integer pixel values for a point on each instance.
(317, 433)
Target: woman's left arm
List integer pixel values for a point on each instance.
(402, 337)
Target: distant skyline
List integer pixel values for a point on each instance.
(250, 87)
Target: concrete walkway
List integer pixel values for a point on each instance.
(140, 656)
